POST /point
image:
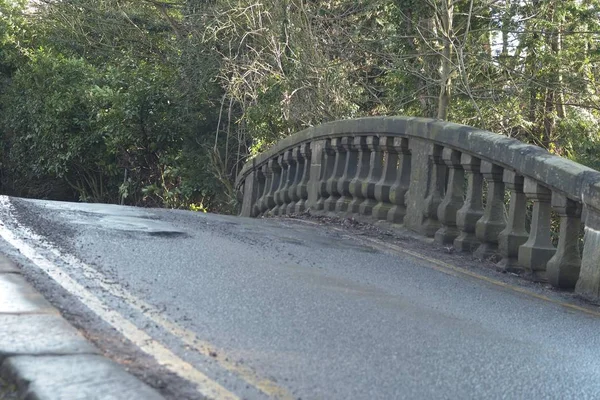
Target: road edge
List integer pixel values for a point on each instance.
(46, 357)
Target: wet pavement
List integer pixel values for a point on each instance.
(284, 308)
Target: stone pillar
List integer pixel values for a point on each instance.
(588, 284)
(388, 176)
(272, 172)
(435, 192)
(279, 192)
(296, 176)
(471, 211)
(515, 233)
(338, 170)
(563, 268)
(249, 194)
(364, 157)
(321, 169)
(399, 189)
(304, 169)
(368, 185)
(535, 253)
(493, 220)
(351, 150)
(260, 191)
(453, 200)
(290, 175)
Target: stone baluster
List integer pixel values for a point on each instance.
(260, 190)
(493, 220)
(261, 203)
(515, 233)
(304, 157)
(388, 176)
(280, 189)
(294, 177)
(338, 171)
(364, 158)
(349, 173)
(272, 171)
(401, 183)
(472, 210)
(453, 200)
(326, 170)
(435, 192)
(588, 284)
(535, 253)
(375, 170)
(563, 268)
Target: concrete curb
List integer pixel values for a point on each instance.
(49, 359)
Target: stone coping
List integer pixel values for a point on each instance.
(559, 174)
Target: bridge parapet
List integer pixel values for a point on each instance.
(443, 180)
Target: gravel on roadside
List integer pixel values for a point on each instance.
(8, 391)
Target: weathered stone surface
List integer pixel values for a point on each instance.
(562, 174)
(493, 220)
(435, 192)
(414, 204)
(399, 189)
(515, 233)
(563, 268)
(18, 296)
(453, 200)
(249, 195)
(535, 253)
(74, 377)
(588, 284)
(7, 266)
(417, 192)
(321, 166)
(389, 171)
(361, 172)
(39, 334)
(472, 210)
(351, 147)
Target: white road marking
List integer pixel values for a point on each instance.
(205, 385)
(189, 338)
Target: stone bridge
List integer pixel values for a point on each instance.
(475, 190)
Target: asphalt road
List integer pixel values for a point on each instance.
(201, 304)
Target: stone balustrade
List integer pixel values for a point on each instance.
(465, 187)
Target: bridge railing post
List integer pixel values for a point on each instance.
(351, 148)
(375, 172)
(388, 176)
(453, 200)
(321, 165)
(588, 284)
(250, 194)
(515, 233)
(493, 221)
(472, 209)
(423, 185)
(399, 190)
(535, 253)
(304, 169)
(563, 268)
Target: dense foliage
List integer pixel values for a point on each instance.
(159, 102)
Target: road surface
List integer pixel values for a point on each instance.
(226, 307)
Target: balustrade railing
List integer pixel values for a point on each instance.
(474, 190)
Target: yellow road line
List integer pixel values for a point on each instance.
(450, 269)
(453, 270)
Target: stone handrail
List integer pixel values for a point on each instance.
(428, 175)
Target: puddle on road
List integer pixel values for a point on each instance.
(113, 217)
